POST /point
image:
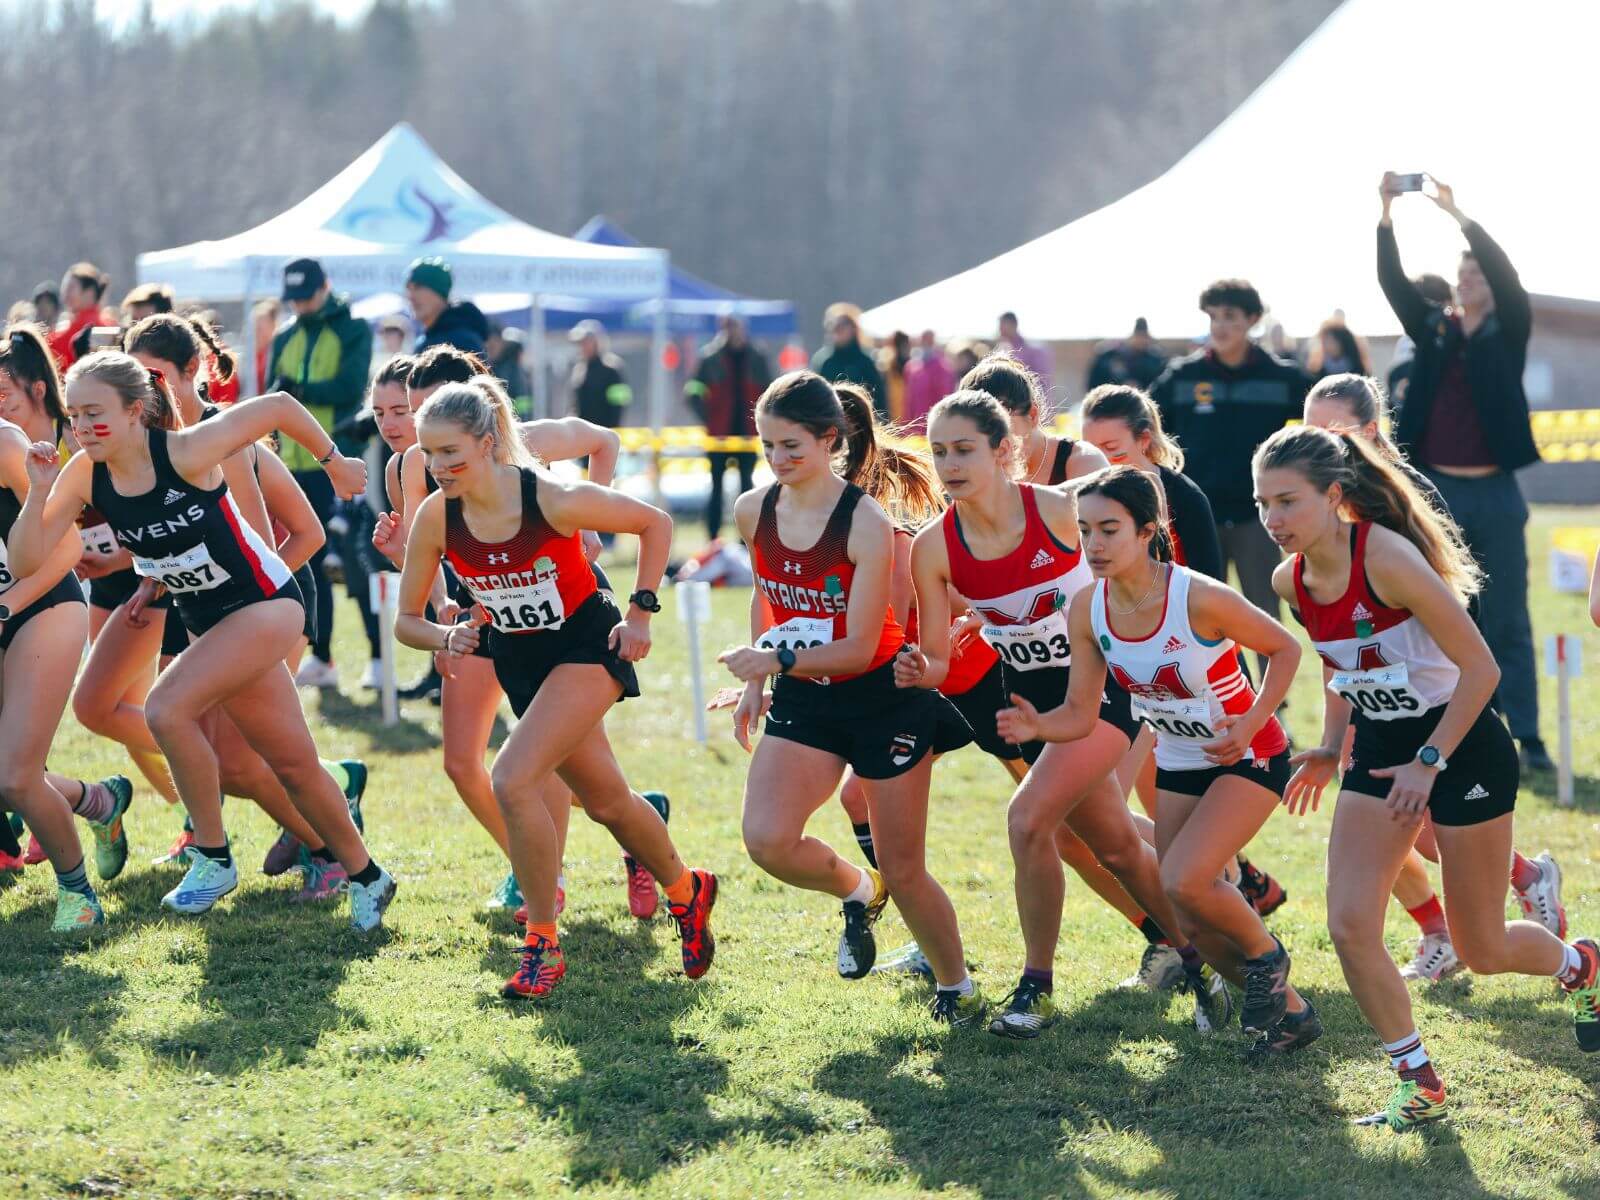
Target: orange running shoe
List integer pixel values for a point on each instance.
(542, 967)
(694, 924)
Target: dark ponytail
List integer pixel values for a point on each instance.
(1010, 382)
(26, 357)
(902, 482)
(181, 341)
(444, 364)
(1136, 492)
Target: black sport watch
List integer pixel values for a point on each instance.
(5, 614)
(646, 600)
(785, 660)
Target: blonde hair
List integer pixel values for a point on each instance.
(479, 411)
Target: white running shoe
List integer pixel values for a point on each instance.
(315, 673)
(373, 679)
(1435, 959)
(368, 900)
(1542, 901)
(206, 882)
(1160, 970)
(905, 960)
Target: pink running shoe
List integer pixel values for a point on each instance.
(34, 854)
(323, 881)
(642, 898)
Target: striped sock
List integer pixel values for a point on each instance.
(75, 880)
(1410, 1060)
(863, 834)
(1578, 968)
(96, 803)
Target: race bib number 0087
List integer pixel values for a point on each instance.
(192, 571)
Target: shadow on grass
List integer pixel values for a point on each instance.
(407, 737)
(639, 1101)
(1118, 1099)
(1585, 790)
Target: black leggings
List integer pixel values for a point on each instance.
(319, 490)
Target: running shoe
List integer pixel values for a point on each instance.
(206, 882)
(1542, 901)
(955, 1010)
(1029, 1011)
(541, 969)
(1410, 1106)
(905, 960)
(1586, 1000)
(1435, 959)
(181, 851)
(314, 673)
(110, 838)
(858, 949)
(76, 913)
(282, 854)
(11, 862)
(1266, 894)
(642, 900)
(34, 854)
(368, 901)
(1266, 990)
(323, 880)
(1295, 1032)
(507, 895)
(1213, 1002)
(373, 679)
(1160, 970)
(694, 924)
(355, 787)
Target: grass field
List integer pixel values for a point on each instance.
(266, 1051)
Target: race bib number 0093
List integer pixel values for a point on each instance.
(1037, 646)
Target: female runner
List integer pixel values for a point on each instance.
(1380, 579)
(830, 642)
(163, 496)
(1009, 550)
(562, 653)
(1354, 405)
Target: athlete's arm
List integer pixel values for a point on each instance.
(1217, 611)
(413, 491)
(1076, 717)
(239, 473)
(1314, 768)
(930, 572)
(388, 534)
(62, 557)
(1058, 509)
(286, 502)
(1085, 459)
(901, 592)
(424, 550)
(559, 438)
(198, 448)
(55, 497)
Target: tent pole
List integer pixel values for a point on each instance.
(536, 354)
(247, 335)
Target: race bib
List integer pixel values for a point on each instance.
(798, 633)
(1380, 695)
(1176, 718)
(98, 539)
(6, 576)
(192, 571)
(527, 608)
(1034, 647)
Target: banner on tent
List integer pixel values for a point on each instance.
(366, 275)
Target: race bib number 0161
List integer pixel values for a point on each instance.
(1037, 646)
(798, 633)
(531, 608)
(1380, 695)
(192, 571)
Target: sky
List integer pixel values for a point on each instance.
(170, 10)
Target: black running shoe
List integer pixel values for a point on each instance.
(1266, 894)
(858, 949)
(1295, 1032)
(1028, 1011)
(1266, 990)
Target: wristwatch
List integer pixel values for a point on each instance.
(785, 660)
(5, 614)
(646, 599)
(1429, 756)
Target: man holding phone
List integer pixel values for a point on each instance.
(1465, 424)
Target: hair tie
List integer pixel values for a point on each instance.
(157, 378)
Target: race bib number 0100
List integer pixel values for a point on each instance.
(192, 571)
(1038, 646)
(1380, 695)
(1177, 718)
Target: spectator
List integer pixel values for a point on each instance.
(964, 356)
(844, 359)
(46, 304)
(394, 336)
(1131, 363)
(146, 300)
(600, 391)
(929, 380)
(1337, 352)
(729, 380)
(1465, 424)
(892, 363)
(504, 355)
(82, 288)
(321, 358)
(21, 312)
(1436, 290)
(461, 325)
(1220, 403)
(1036, 358)
(265, 318)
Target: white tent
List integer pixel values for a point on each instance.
(1492, 97)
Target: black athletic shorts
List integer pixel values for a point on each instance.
(200, 617)
(1047, 689)
(117, 588)
(67, 591)
(882, 731)
(523, 661)
(1271, 773)
(1478, 784)
(175, 636)
(306, 581)
(978, 706)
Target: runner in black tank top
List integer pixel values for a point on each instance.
(231, 588)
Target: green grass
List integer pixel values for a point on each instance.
(266, 1051)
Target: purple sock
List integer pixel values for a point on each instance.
(97, 802)
(1045, 979)
(1190, 956)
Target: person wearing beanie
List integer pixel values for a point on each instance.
(462, 325)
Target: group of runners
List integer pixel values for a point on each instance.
(1054, 602)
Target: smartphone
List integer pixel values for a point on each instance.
(1407, 183)
(105, 337)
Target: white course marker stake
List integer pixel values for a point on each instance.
(385, 588)
(694, 609)
(1563, 658)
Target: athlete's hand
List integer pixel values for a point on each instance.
(43, 464)
(450, 613)
(462, 639)
(592, 545)
(148, 591)
(728, 697)
(630, 638)
(1408, 795)
(1019, 723)
(752, 706)
(1231, 743)
(1313, 771)
(386, 538)
(750, 663)
(94, 565)
(348, 475)
(909, 666)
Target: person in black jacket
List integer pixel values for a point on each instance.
(843, 359)
(462, 325)
(1136, 361)
(1465, 424)
(1221, 403)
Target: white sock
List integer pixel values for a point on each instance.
(1571, 969)
(964, 988)
(1406, 1054)
(865, 890)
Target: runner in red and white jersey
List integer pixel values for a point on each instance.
(1221, 757)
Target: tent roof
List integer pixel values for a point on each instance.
(395, 202)
(1487, 96)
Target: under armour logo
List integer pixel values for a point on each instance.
(173, 496)
(791, 568)
(499, 559)
(1041, 559)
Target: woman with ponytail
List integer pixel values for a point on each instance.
(1380, 579)
(822, 626)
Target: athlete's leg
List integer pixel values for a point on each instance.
(786, 784)
(1077, 855)
(1411, 885)
(468, 703)
(244, 773)
(1473, 860)
(115, 681)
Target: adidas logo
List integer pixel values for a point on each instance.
(1174, 644)
(1477, 793)
(1041, 559)
(1360, 613)
(173, 496)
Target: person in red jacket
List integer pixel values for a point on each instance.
(82, 288)
(723, 393)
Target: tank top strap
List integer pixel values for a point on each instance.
(159, 457)
(843, 511)
(1058, 469)
(767, 522)
(532, 514)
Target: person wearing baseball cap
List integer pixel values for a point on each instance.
(462, 325)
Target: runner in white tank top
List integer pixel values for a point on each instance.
(1221, 759)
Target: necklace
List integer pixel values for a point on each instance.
(1154, 579)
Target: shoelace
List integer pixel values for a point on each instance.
(1018, 999)
(946, 1005)
(1258, 986)
(534, 969)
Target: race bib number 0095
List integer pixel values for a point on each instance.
(1380, 695)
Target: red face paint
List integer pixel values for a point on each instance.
(100, 431)
(457, 469)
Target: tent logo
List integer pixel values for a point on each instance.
(413, 217)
